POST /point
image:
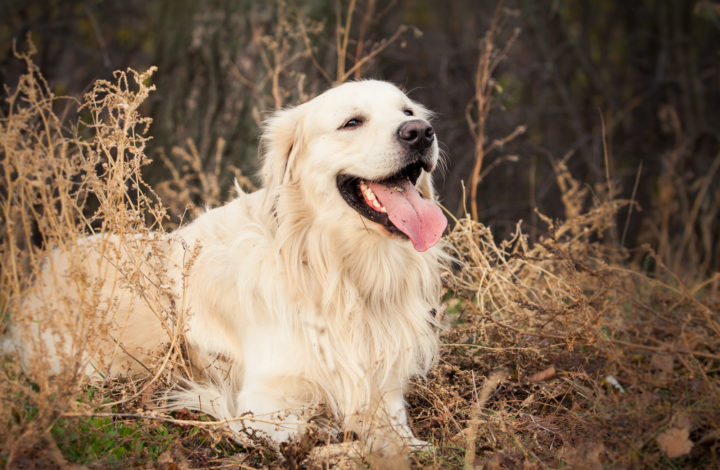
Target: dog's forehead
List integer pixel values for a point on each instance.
(362, 95)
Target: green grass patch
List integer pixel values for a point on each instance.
(112, 442)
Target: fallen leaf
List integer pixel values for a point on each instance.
(543, 375)
(664, 362)
(690, 340)
(675, 442)
(594, 461)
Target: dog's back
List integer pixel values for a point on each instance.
(101, 307)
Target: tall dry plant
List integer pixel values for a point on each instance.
(685, 215)
(541, 279)
(478, 109)
(62, 182)
(194, 184)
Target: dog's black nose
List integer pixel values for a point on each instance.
(417, 134)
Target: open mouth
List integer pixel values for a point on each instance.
(395, 203)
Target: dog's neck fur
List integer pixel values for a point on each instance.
(376, 287)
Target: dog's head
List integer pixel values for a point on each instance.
(360, 153)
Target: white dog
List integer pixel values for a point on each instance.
(318, 289)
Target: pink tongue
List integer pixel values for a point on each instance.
(420, 219)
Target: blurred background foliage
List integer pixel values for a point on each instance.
(626, 91)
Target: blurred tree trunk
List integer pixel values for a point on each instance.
(203, 94)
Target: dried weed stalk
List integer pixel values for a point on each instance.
(479, 107)
(685, 215)
(193, 186)
(60, 184)
(295, 43)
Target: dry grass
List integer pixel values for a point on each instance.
(558, 352)
(62, 182)
(570, 349)
(598, 356)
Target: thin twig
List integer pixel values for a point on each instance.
(632, 204)
(491, 383)
(384, 44)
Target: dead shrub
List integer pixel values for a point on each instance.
(63, 182)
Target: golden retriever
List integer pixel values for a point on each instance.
(318, 289)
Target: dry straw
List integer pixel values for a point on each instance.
(61, 183)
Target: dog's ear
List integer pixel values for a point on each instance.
(280, 143)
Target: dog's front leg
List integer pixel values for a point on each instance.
(271, 414)
(383, 425)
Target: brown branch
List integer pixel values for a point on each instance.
(342, 37)
(491, 383)
(377, 50)
(481, 100)
(364, 25)
(489, 57)
(308, 47)
(500, 143)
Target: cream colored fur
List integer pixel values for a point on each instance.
(305, 301)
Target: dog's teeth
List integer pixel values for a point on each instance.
(370, 198)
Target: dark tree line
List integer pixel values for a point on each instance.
(629, 90)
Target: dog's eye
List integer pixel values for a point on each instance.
(408, 112)
(352, 123)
